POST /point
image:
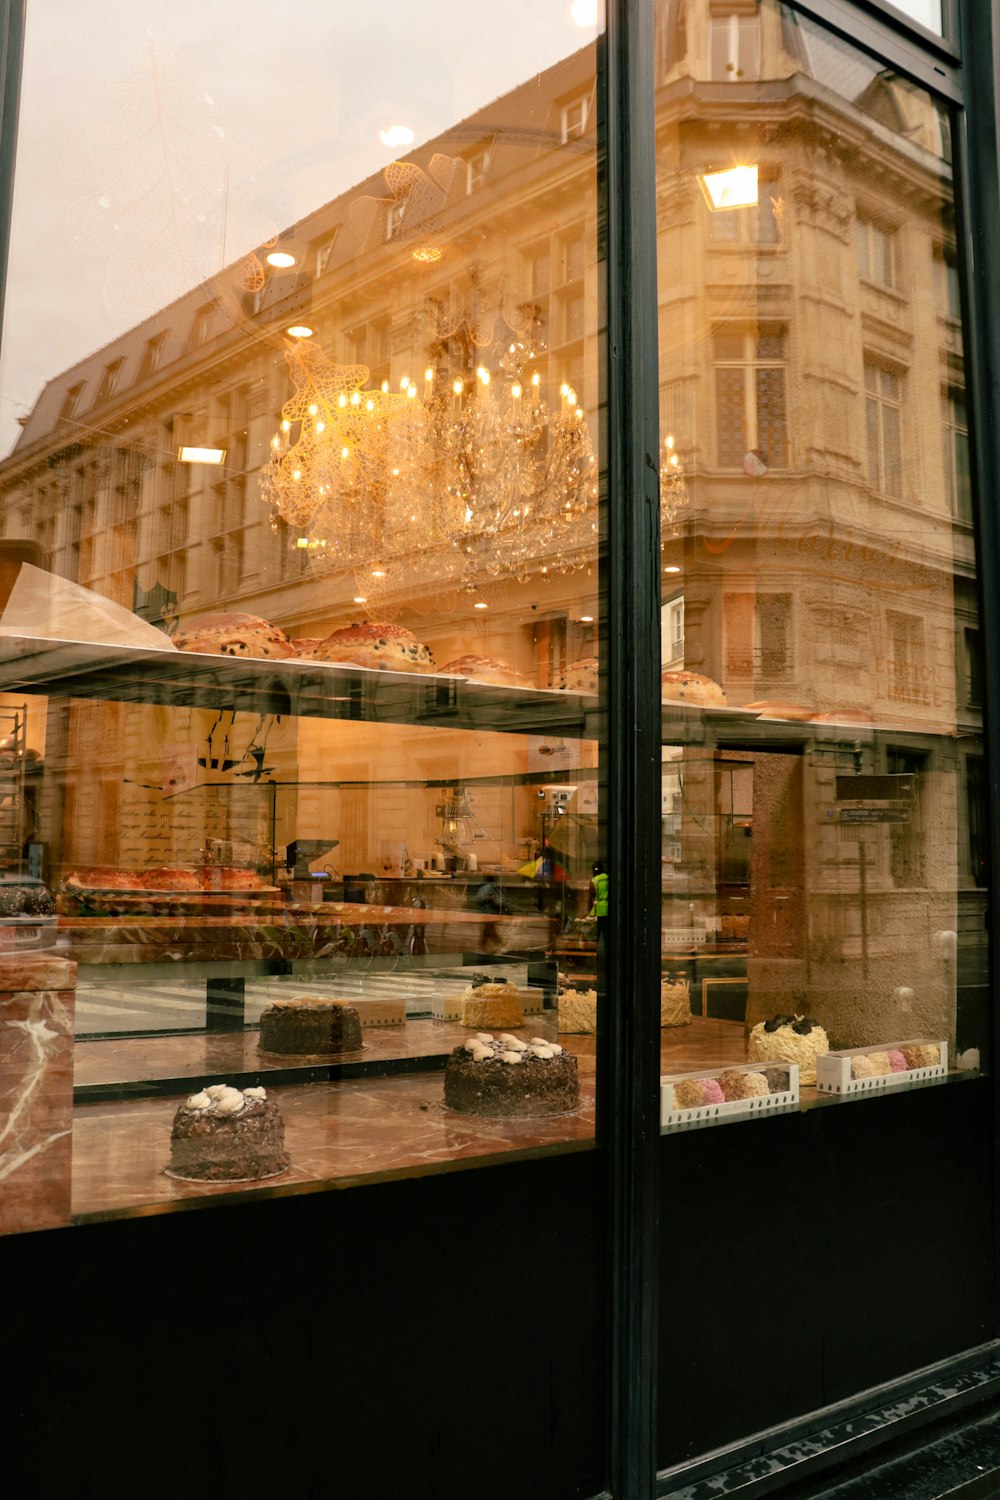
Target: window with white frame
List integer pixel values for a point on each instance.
(575, 115)
(884, 420)
(734, 44)
(876, 250)
(750, 407)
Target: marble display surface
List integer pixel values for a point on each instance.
(37, 994)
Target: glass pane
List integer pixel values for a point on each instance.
(301, 610)
(824, 864)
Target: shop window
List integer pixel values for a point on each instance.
(883, 417)
(750, 408)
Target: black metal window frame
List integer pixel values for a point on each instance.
(631, 1061)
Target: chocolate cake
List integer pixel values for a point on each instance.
(503, 1077)
(318, 1028)
(225, 1135)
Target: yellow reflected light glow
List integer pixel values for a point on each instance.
(201, 455)
(299, 331)
(280, 260)
(734, 188)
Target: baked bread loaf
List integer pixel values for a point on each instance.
(104, 878)
(691, 687)
(777, 708)
(487, 669)
(170, 880)
(580, 676)
(233, 635)
(391, 648)
(304, 645)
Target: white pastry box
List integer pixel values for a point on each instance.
(841, 1073)
(680, 1109)
(380, 1012)
(446, 1004)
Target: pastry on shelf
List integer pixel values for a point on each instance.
(390, 648)
(224, 1134)
(777, 708)
(492, 1004)
(580, 676)
(486, 669)
(503, 1076)
(310, 1027)
(691, 687)
(790, 1039)
(233, 635)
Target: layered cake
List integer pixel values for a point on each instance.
(691, 687)
(503, 1076)
(388, 647)
(792, 1039)
(675, 1002)
(318, 1028)
(492, 1004)
(234, 635)
(486, 669)
(577, 1011)
(224, 1134)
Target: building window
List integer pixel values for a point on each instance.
(109, 380)
(974, 675)
(70, 401)
(957, 473)
(906, 840)
(949, 290)
(574, 117)
(673, 631)
(325, 251)
(757, 225)
(876, 250)
(151, 356)
(204, 318)
(906, 657)
(883, 412)
(734, 46)
(751, 414)
(476, 168)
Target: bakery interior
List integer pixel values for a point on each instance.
(301, 642)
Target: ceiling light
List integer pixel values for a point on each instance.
(299, 331)
(586, 619)
(584, 12)
(427, 254)
(280, 259)
(201, 455)
(734, 188)
(671, 568)
(480, 604)
(396, 135)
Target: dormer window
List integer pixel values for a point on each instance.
(325, 251)
(71, 401)
(575, 115)
(109, 380)
(476, 168)
(152, 354)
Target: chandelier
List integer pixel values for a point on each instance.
(468, 482)
(674, 498)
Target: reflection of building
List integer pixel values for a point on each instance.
(811, 370)
(818, 545)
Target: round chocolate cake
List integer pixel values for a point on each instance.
(317, 1028)
(503, 1076)
(223, 1134)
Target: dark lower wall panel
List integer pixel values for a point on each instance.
(811, 1256)
(438, 1337)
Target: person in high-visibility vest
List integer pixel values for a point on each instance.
(599, 886)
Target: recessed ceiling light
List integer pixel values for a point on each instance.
(280, 259)
(299, 331)
(427, 254)
(480, 604)
(584, 12)
(201, 455)
(396, 135)
(360, 599)
(671, 568)
(586, 619)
